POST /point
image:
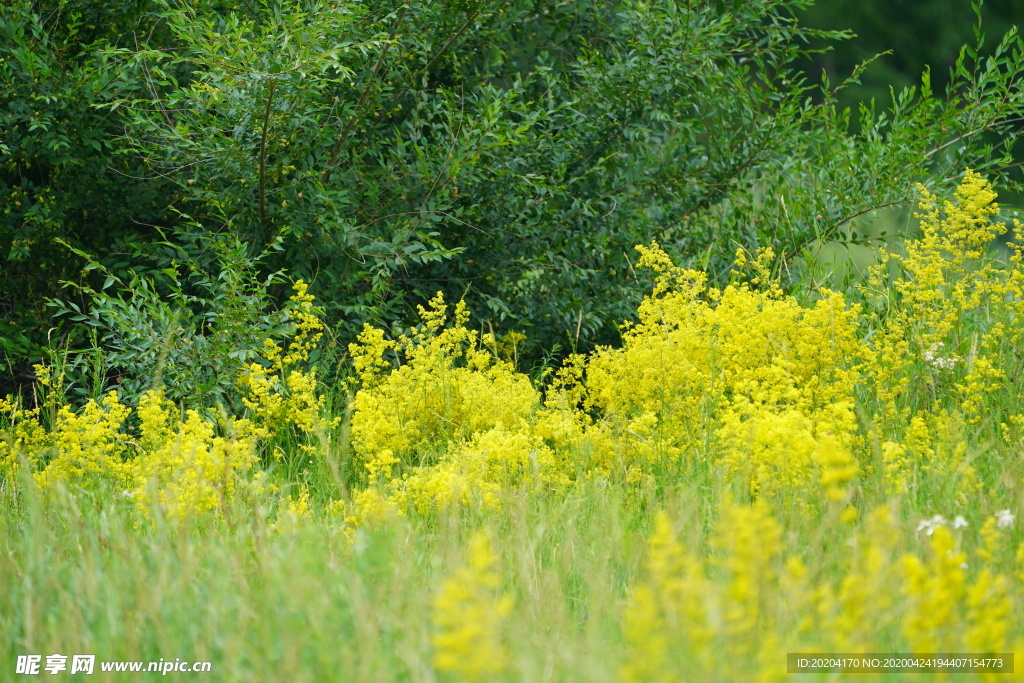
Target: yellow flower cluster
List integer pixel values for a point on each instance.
(179, 466)
(90, 449)
(861, 607)
(278, 393)
(946, 338)
(768, 382)
(932, 444)
(21, 440)
(476, 473)
(667, 618)
(939, 337)
(469, 611)
(681, 624)
(689, 621)
(749, 542)
(297, 511)
(185, 470)
(446, 390)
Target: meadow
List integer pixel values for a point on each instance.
(752, 472)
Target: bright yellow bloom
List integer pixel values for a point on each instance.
(469, 612)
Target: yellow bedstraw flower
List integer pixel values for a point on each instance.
(989, 613)
(291, 516)
(990, 540)
(447, 390)
(934, 593)
(863, 606)
(278, 394)
(22, 439)
(680, 625)
(370, 507)
(91, 448)
(469, 612)
(666, 619)
(938, 331)
(749, 539)
(192, 472)
(746, 362)
(477, 472)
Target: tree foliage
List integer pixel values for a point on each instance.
(508, 151)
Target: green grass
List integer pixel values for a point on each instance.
(311, 604)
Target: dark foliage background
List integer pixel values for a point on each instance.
(910, 35)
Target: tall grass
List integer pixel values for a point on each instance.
(309, 603)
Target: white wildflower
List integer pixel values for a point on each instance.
(932, 356)
(1004, 518)
(930, 525)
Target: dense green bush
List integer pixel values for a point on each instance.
(181, 328)
(62, 173)
(512, 150)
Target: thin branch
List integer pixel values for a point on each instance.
(972, 133)
(347, 130)
(263, 154)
